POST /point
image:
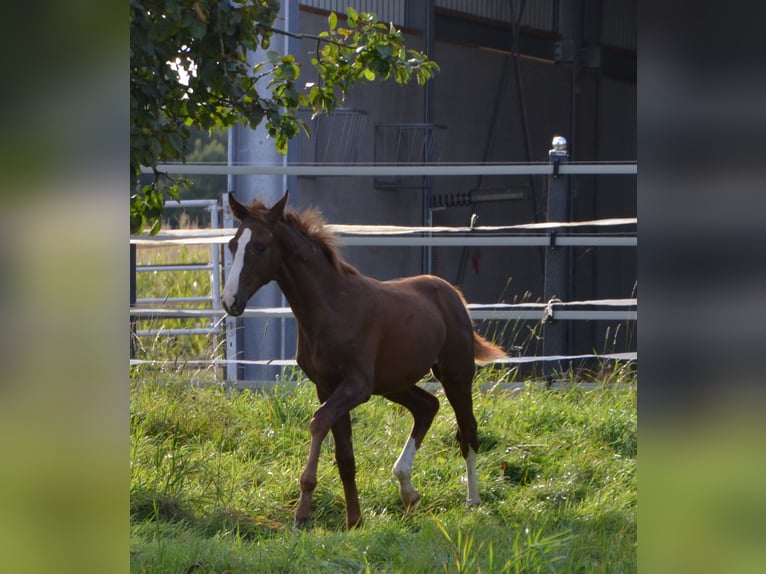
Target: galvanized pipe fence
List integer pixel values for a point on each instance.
(213, 267)
(553, 314)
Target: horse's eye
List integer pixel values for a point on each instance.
(260, 248)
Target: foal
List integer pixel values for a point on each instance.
(357, 337)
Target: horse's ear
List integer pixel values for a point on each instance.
(278, 209)
(238, 210)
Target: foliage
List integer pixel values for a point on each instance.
(189, 68)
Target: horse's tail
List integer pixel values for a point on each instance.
(485, 352)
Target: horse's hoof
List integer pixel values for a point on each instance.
(412, 503)
(303, 523)
(354, 525)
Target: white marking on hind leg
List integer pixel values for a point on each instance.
(473, 481)
(403, 472)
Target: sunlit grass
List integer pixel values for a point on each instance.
(214, 481)
(214, 471)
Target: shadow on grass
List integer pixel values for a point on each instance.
(145, 507)
(149, 508)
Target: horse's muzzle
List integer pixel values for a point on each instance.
(235, 309)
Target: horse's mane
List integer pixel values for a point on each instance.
(311, 224)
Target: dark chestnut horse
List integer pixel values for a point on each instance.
(358, 337)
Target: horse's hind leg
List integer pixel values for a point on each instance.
(457, 382)
(423, 406)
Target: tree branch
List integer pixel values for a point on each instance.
(305, 36)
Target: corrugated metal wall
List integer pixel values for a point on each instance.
(387, 10)
(537, 14)
(618, 23)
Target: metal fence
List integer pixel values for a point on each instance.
(213, 266)
(554, 235)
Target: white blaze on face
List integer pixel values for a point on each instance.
(232, 282)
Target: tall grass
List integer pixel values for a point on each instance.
(214, 481)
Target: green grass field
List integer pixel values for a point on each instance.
(214, 472)
(214, 481)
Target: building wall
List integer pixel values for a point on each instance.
(475, 95)
(356, 199)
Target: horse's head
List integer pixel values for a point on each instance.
(256, 256)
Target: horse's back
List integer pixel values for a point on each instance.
(447, 299)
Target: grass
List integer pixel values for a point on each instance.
(214, 482)
(214, 471)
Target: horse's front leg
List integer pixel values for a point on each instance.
(344, 457)
(340, 402)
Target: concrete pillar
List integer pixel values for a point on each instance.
(255, 339)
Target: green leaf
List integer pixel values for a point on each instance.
(302, 124)
(174, 193)
(353, 17)
(385, 50)
(281, 144)
(137, 222)
(369, 74)
(332, 20)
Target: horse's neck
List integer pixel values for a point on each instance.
(307, 278)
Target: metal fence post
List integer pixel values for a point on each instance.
(555, 340)
(132, 300)
(232, 324)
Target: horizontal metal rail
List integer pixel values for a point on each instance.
(382, 170)
(155, 300)
(209, 203)
(477, 314)
(410, 241)
(177, 267)
(476, 241)
(176, 332)
(629, 356)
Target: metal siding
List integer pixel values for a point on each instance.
(386, 10)
(538, 14)
(619, 24)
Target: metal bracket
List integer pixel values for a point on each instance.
(556, 164)
(552, 238)
(548, 317)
